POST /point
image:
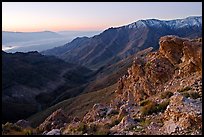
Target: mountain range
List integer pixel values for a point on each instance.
(115, 44)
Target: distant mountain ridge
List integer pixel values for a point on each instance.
(120, 42)
(9, 36)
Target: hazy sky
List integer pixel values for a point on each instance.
(53, 16)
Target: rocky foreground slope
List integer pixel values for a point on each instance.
(161, 94)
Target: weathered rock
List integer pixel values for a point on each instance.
(54, 132)
(23, 123)
(182, 114)
(176, 57)
(126, 124)
(174, 67)
(98, 111)
(55, 121)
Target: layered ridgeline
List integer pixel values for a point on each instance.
(115, 44)
(31, 81)
(160, 94)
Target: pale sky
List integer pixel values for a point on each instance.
(58, 16)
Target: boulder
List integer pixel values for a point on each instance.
(23, 123)
(54, 132)
(182, 114)
(126, 124)
(56, 120)
(98, 111)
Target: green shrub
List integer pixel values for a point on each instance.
(92, 128)
(145, 122)
(162, 106)
(102, 131)
(166, 94)
(11, 126)
(184, 89)
(194, 95)
(148, 108)
(82, 127)
(27, 132)
(185, 94)
(148, 64)
(144, 102)
(152, 107)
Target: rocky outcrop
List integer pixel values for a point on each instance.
(98, 112)
(176, 57)
(126, 124)
(23, 123)
(182, 114)
(56, 120)
(182, 53)
(161, 94)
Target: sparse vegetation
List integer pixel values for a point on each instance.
(82, 127)
(10, 127)
(184, 89)
(13, 129)
(144, 102)
(92, 128)
(148, 64)
(152, 107)
(73, 106)
(27, 132)
(185, 94)
(148, 108)
(162, 106)
(145, 122)
(166, 94)
(102, 130)
(194, 95)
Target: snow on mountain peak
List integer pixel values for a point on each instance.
(177, 23)
(137, 24)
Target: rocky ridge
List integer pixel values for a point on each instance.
(160, 95)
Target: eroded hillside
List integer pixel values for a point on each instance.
(160, 94)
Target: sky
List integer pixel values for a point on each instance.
(89, 16)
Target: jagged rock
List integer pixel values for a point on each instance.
(55, 121)
(111, 111)
(176, 57)
(171, 47)
(181, 114)
(98, 111)
(173, 68)
(44, 133)
(126, 124)
(182, 52)
(123, 111)
(76, 119)
(23, 123)
(54, 132)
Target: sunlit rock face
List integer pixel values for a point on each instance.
(176, 57)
